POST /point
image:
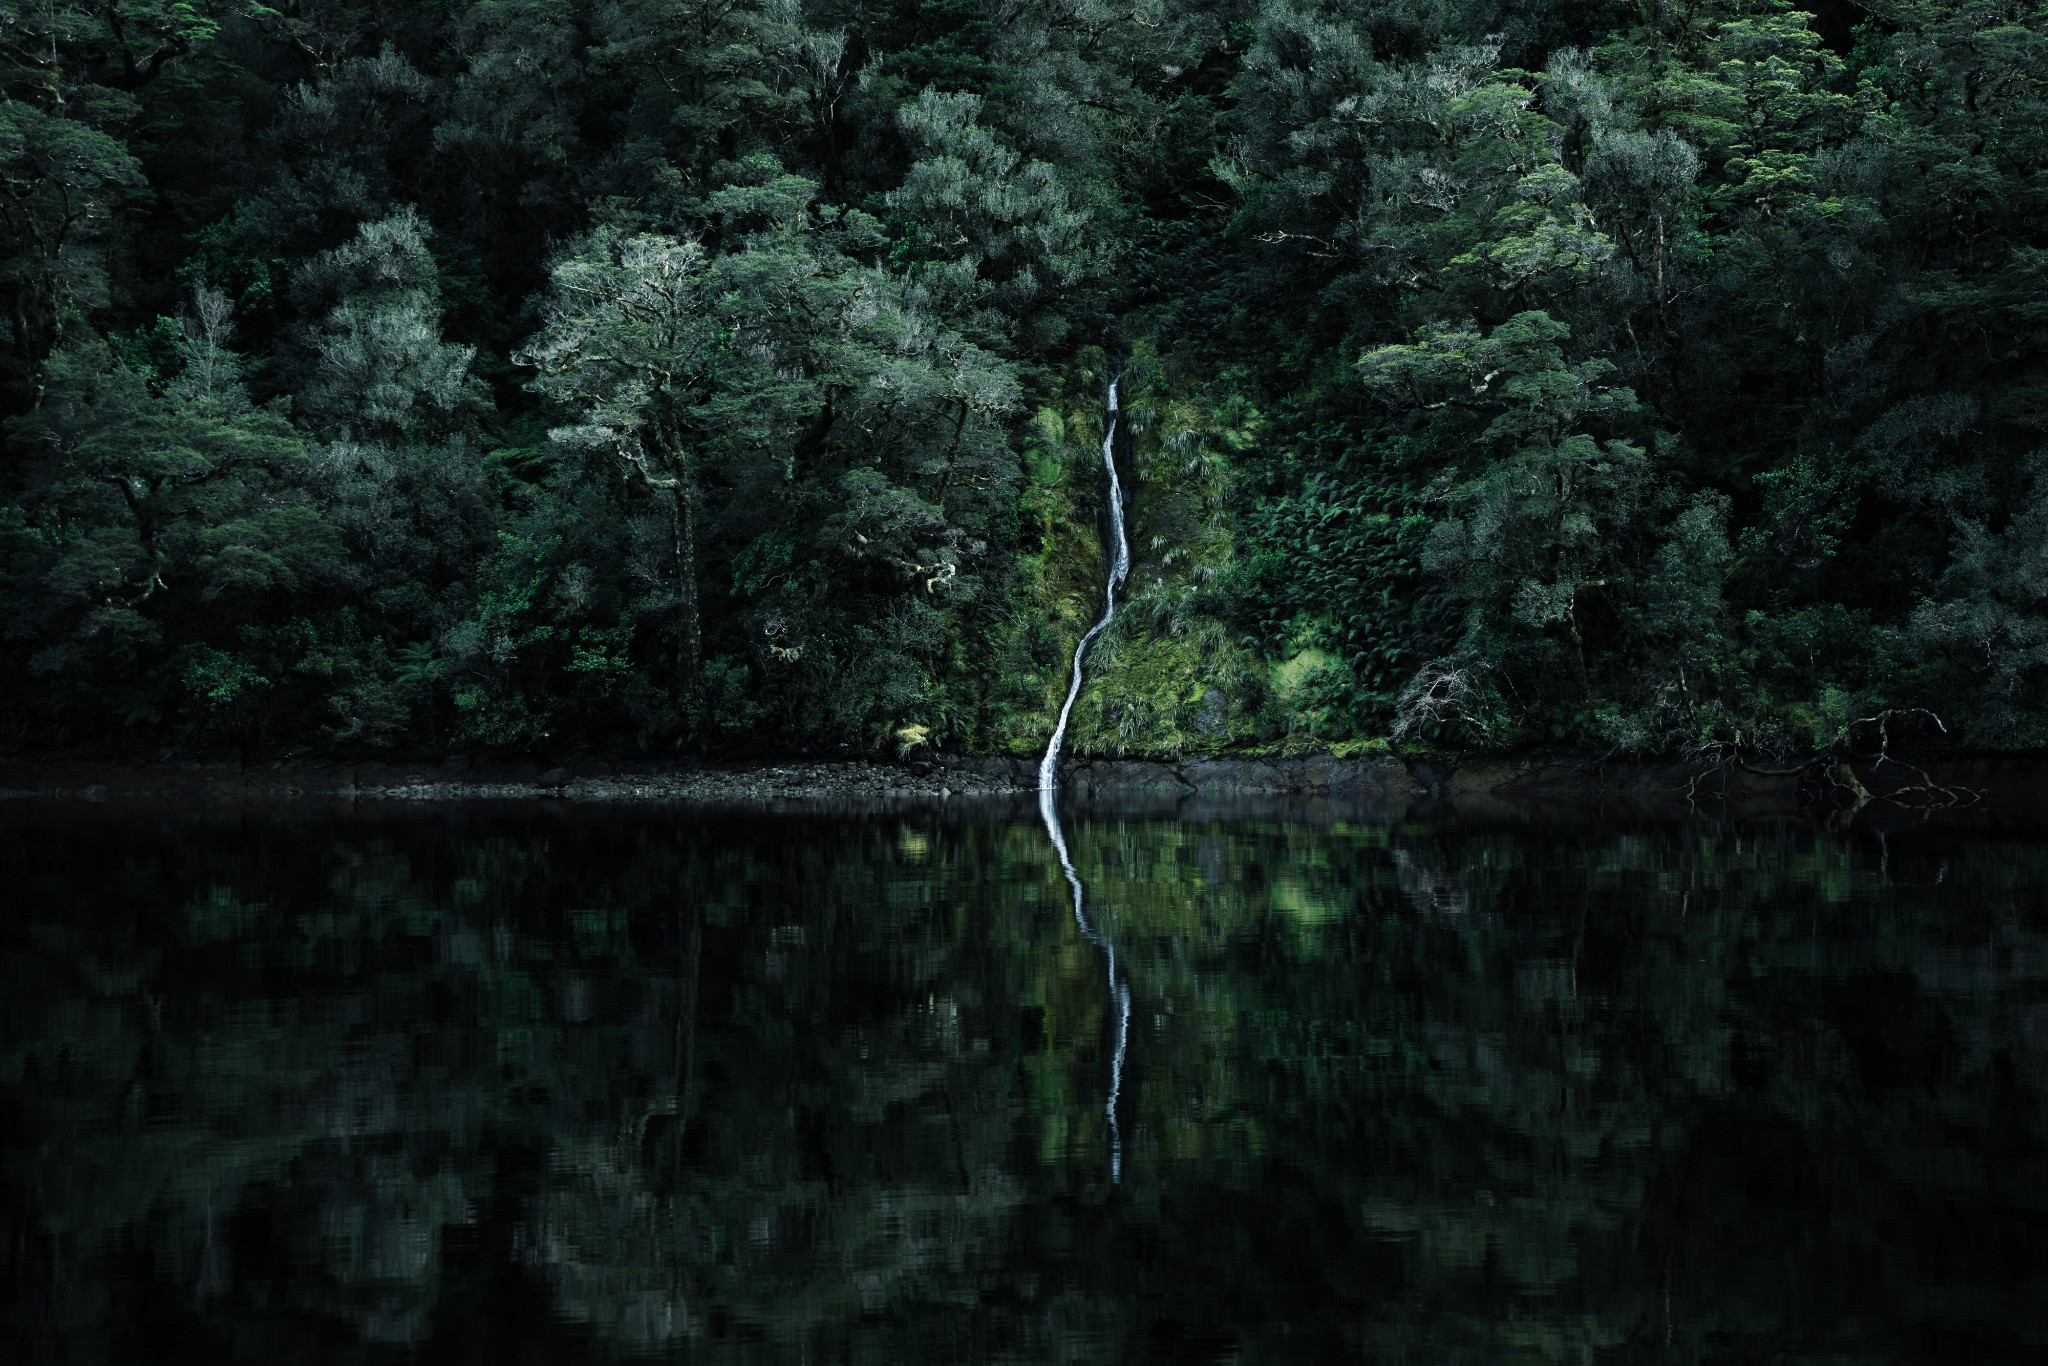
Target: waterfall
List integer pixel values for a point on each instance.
(1119, 570)
(1048, 790)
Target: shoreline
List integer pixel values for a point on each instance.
(1969, 785)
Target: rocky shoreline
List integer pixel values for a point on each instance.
(601, 780)
(461, 779)
(1489, 784)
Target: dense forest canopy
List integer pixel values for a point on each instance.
(726, 374)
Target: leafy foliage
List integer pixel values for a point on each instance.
(677, 374)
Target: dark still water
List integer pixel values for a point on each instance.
(553, 1087)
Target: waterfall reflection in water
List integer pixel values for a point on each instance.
(466, 1084)
(1048, 778)
(1119, 990)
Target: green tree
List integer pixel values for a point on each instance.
(61, 182)
(793, 378)
(630, 350)
(163, 513)
(381, 370)
(1549, 508)
(996, 237)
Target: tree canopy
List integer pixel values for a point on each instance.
(680, 375)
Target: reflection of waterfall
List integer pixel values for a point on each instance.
(1049, 779)
(1119, 992)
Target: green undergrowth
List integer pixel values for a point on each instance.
(1173, 676)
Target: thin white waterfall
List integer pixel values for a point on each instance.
(1048, 790)
(1119, 570)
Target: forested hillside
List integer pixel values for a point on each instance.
(726, 375)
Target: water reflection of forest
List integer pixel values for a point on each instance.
(747, 1088)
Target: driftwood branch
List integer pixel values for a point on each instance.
(1827, 781)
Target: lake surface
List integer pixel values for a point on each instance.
(555, 1086)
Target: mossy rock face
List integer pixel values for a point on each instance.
(1166, 696)
(1055, 593)
(1171, 677)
